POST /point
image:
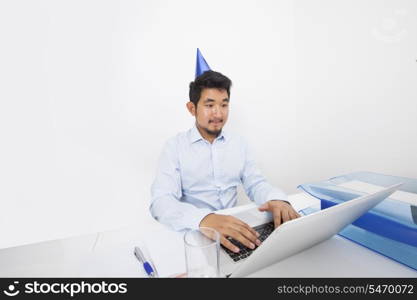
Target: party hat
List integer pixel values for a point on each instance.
(201, 64)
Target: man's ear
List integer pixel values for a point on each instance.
(191, 108)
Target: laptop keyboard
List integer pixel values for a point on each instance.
(264, 231)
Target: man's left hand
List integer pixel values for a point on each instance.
(281, 210)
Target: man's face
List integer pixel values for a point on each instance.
(212, 110)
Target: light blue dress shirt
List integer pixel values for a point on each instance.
(195, 178)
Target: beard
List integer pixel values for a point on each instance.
(213, 132)
(210, 132)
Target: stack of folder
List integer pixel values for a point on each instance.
(390, 228)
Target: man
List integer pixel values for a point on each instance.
(199, 171)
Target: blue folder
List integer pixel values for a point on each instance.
(390, 228)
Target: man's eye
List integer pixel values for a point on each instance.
(225, 105)
(209, 105)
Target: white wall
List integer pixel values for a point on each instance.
(356, 87)
(90, 90)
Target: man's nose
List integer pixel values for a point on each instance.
(217, 112)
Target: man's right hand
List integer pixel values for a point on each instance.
(229, 226)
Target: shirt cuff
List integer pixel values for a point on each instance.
(196, 218)
(276, 195)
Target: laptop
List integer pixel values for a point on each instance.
(293, 236)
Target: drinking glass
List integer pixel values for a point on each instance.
(202, 250)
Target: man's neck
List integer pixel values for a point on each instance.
(207, 136)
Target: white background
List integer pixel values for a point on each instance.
(90, 91)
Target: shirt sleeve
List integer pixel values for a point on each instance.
(256, 186)
(166, 205)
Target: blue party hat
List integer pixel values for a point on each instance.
(201, 64)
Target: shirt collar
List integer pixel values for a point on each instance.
(196, 136)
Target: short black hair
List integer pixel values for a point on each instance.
(209, 79)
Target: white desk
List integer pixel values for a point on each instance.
(110, 254)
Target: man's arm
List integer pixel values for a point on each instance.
(166, 193)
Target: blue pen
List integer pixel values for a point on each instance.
(146, 265)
